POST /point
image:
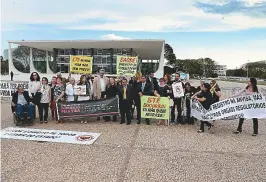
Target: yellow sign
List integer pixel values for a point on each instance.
(155, 107)
(81, 64)
(126, 66)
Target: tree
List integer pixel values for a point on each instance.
(169, 55)
(4, 67)
(22, 54)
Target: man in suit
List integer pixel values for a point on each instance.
(99, 86)
(126, 99)
(144, 88)
(151, 79)
(21, 100)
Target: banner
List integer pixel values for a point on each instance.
(155, 107)
(178, 90)
(81, 64)
(126, 66)
(59, 136)
(82, 109)
(249, 106)
(9, 87)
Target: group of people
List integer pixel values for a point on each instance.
(44, 95)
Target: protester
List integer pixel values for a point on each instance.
(167, 79)
(111, 91)
(189, 92)
(70, 90)
(249, 90)
(99, 86)
(21, 99)
(205, 99)
(144, 88)
(126, 100)
(35, 87)
(83, 81)
(177, 103)
(45, 100)
(59, 91)
(52, 85)
(163, 91)
(135, 96)
(151, 79)
(200, 86)
(216, 94)
(90, 82)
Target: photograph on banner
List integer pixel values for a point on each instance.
(83, 109)
(44, 135)
(126, 66)
(178, 90)
(155, 107)
(248, 106)
(9, 87)
(80, 90)
(81, 64)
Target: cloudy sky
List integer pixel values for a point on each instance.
(228, 31)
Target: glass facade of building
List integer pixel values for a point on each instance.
(102, 58)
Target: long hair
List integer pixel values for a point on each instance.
(81, 78)
(32, 78)
(109, 83)
(215, 83)
(138, 76)
(253, 82)
(44, 78)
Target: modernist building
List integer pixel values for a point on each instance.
(51, 56)
(220, 70)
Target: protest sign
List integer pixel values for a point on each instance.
(80, 90)
(178, 90)
(126, 66)
(81, 64)
(248, 106)
(9, 87)
(58, 136)
(82, 109)
(155, 107)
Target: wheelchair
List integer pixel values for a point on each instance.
(24, 120)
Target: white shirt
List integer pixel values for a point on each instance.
(34, 86)
(102, 84)
(91, 85)
(70, 92)
(21, 99)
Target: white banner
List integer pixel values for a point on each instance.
(59, 136)
(9, 87)
(178, 90)
(249, 106)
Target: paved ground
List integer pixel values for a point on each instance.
(137, 153)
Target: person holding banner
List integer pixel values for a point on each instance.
(99, 86)
(70, 90)
(216, 93)
(205, 98)
(189, 92)
(52, 85)
(151, 79)
(144, 88)
(178, 88)
(125, 101)
(111, 91)
(249, 90)
(35, 87)
(59, 92)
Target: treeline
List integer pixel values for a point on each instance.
(254, 69)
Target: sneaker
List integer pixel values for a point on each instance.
(85, 122)
(81, 122)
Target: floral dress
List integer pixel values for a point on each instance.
(58, 90)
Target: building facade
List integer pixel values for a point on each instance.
(220, 70)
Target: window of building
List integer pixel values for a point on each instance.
(117, 51)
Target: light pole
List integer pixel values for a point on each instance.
(247, 68)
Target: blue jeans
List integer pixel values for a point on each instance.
(28, 108)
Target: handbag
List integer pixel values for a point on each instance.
(37, 98)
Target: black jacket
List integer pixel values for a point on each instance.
(153, 82)
(25, 94)
(129, 92)
(164, 91)
(112, 91)
(147, 89)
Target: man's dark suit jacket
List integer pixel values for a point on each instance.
(154, 82)
(25, 94)
(147, 89)
(129, 92)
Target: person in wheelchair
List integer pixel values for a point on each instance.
(21, 102)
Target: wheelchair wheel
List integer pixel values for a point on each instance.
(16, 120)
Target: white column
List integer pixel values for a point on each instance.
(32, 68)
(48, 70)
(159, 72)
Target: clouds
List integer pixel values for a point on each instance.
(137, 15)
(113, 37)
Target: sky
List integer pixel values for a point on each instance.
(231, 32)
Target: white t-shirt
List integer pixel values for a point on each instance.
(102, 83)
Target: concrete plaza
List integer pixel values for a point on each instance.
(137, 153)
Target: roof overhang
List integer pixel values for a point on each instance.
(146, 49)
